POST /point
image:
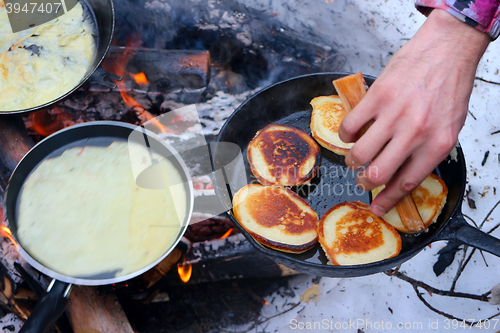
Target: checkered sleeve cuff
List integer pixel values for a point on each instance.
(480, 14)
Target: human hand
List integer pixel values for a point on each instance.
(419, 104)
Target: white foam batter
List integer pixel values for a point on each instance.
(66, 51)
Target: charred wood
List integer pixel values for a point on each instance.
(166, 71)
(15, 143)
(227, 259)
(91, 312)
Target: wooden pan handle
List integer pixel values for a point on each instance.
(351, 90)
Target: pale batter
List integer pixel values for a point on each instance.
(81, 214)
(66, 50)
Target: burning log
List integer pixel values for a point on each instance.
(8, 291)
(151, 277)
(15, 143)
(48, 121)
(156, 71)
(229, 258)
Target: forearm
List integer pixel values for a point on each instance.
(443, 31)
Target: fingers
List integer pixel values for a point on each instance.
(415, 169)
(386, 164)
(356, 119)
(368, 146)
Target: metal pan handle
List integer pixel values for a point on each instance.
(458, 229)
(49, 308)
(99, 77)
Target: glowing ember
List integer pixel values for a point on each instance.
(119, 69)
(141, 112)
(185, 272)
(227, 234)
(140, 78)
(5, 232)
(46, 123)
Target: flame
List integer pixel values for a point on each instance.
(185, 272)
(119, 69)
(140, 78)
(46, 123)
(227, 234)
(5, 232)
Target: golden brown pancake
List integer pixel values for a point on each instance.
(350, 234)
(430, 198)
(327, 115)
(276, 217)
(283, 156)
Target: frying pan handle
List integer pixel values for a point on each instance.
(458, 229)
(48, 309)
(99, 77)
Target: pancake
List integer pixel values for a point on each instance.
(430, 198)
(350, 234)
(283, 156)
(327, 115)
(276, 217)
(82, 214)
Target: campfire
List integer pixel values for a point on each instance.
(153, 81)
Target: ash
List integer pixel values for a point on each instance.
(203, 308)
(10, 323)
(252, 47)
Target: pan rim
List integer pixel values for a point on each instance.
(104, 281)
(337, 271)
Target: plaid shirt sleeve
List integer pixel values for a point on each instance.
(480, 14)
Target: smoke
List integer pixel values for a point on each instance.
(250, 48)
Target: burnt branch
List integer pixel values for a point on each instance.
(432, 290)
(463, 262)
(472, 115)
(461, 267)
(487, 81)
(488, 215)
(447, 315)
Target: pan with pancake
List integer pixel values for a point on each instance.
(288, 103)
(97, 137)
(101, 15)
